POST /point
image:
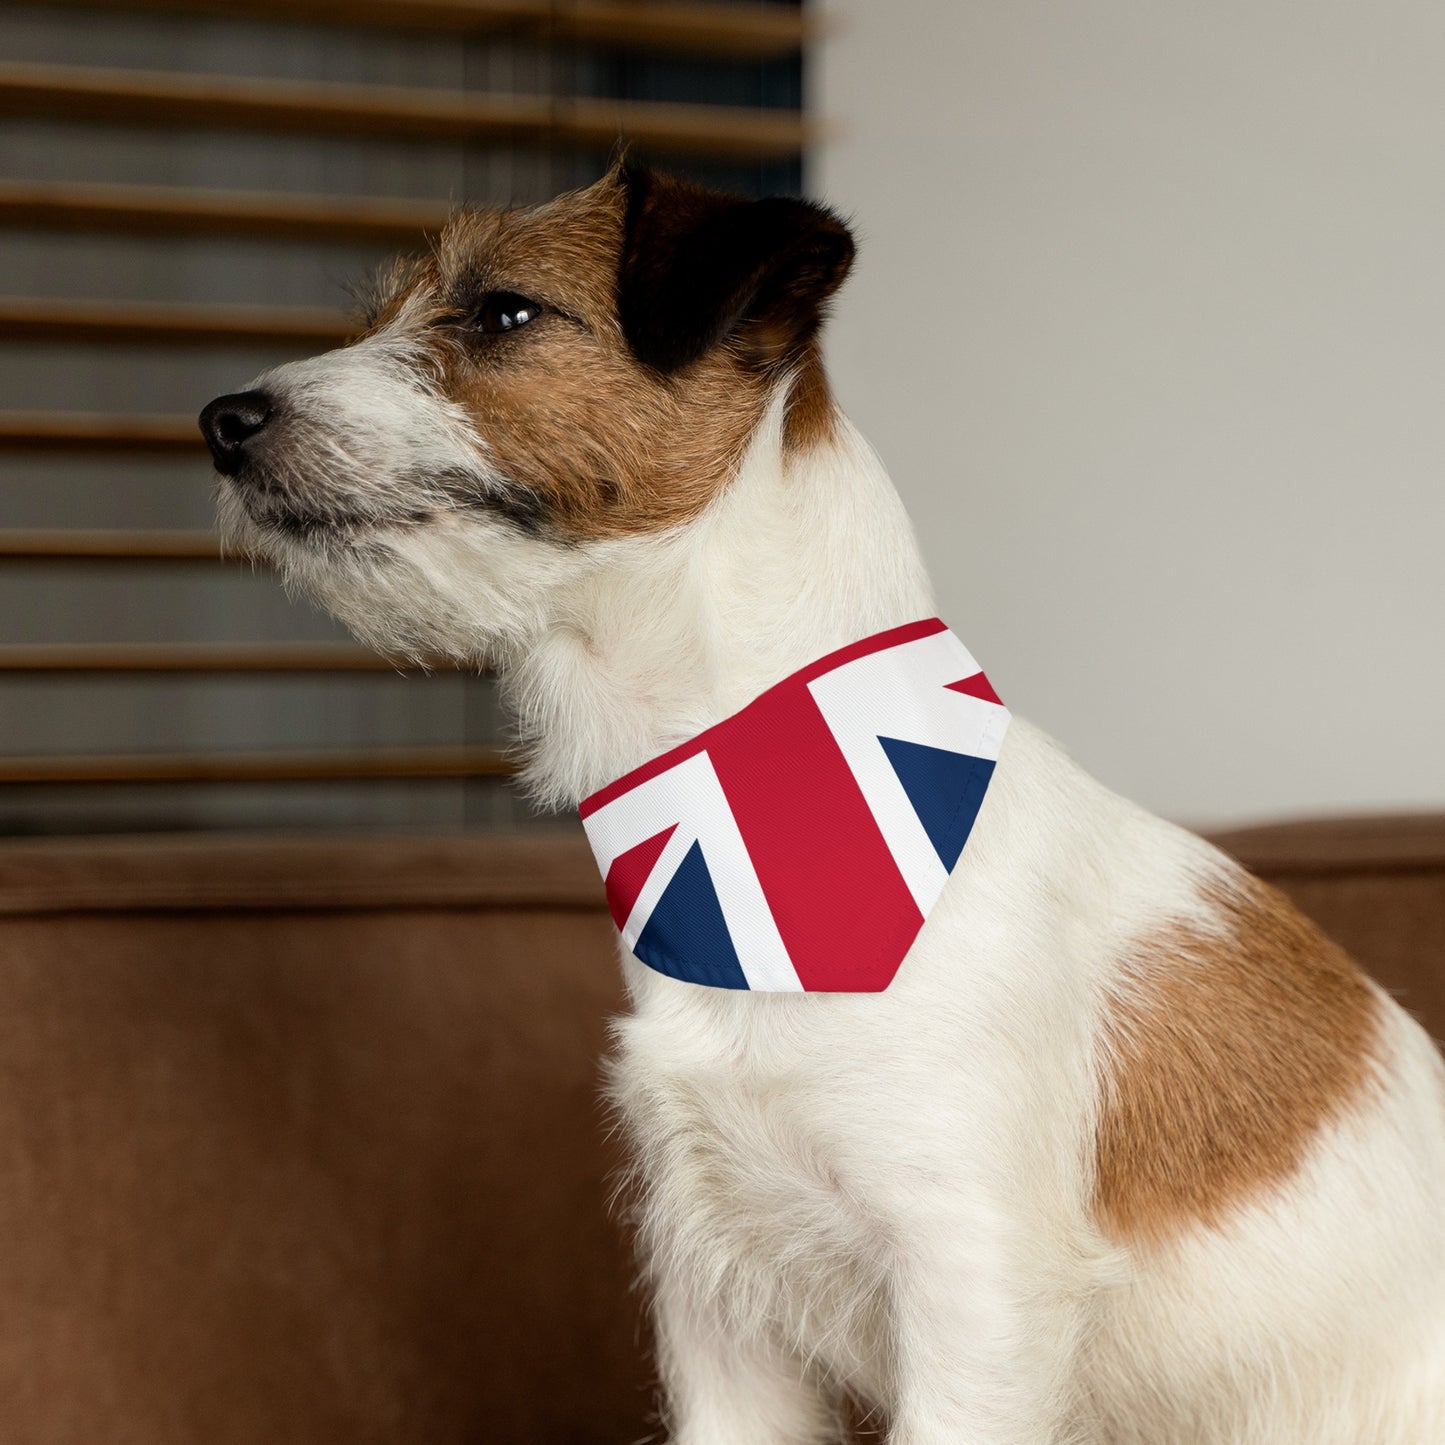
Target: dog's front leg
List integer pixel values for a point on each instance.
(984, 1346)
(723, 1386)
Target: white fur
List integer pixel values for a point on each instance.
(889, 1194)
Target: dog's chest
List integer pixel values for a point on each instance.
(744, 1185)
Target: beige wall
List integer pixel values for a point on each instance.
(1149, 324)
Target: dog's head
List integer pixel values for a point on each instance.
(546, 382)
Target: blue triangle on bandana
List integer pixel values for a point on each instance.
(686, 936)
(945, 788)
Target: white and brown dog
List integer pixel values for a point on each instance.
(1127, 1152)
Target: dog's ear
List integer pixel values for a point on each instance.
(698, 266)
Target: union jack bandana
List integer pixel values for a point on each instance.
(800, 843)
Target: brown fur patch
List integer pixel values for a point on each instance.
(1225, 1055)
(812, 415)
(606, 446)
(595, 442)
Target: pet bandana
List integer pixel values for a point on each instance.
(801, 843)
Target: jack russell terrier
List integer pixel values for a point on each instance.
(1048, 1124)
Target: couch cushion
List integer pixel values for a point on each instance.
(300, 1141)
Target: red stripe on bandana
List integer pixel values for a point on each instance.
(843, 909)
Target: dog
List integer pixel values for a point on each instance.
(1125, 1152)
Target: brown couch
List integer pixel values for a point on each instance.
(299, 1139)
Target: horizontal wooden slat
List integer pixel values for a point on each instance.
(157, 323)
(547, 868)
(717, 29)
(84, 431)
(173, 211)
(258, 767)
(721, 29)
(74, 544)
(163, 99)
(190, 657)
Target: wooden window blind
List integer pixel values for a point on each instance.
(186, 186)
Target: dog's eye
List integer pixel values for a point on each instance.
(504, 311)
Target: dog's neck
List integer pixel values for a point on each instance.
(803, 553)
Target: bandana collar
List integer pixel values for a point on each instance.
(800, 843)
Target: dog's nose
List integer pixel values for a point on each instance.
(229, 422)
